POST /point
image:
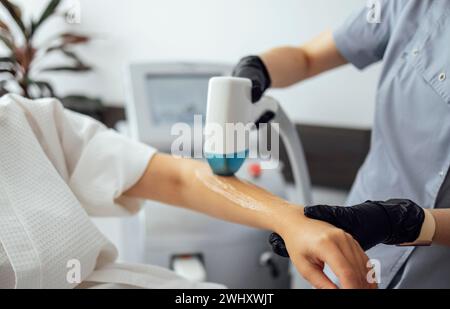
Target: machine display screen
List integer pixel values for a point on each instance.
(177, 97)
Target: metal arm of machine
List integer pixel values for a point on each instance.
(296, 155)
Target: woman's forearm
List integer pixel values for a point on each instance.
(289, 65)
(190, 184)
(312, 244)
(234, 200)
(442, 234)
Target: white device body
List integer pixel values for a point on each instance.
(230, 104)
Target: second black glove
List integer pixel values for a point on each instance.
(371, 223)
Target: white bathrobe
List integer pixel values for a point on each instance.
(57, 168)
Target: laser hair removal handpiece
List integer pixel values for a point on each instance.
(229, 112)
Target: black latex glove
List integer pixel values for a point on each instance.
(392, 222)
(253, 68)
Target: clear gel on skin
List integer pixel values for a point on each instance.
(227, 190)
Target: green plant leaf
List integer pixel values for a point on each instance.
(73, 56)
(66, 52)
(74, 38)
(45, 89)
(7, 41)
(7, 64)
(7, 71)
(49, 11)
(3, 89)
(66, 39)
(16, 14)
(7, 67)
(4, 27)
(76, 68)
(7, 59)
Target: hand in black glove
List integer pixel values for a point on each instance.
(253, 68)
(371, 223)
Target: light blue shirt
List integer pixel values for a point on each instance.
(410, 150)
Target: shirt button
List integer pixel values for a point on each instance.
(442, 77)
(416, 52)
(442, 173)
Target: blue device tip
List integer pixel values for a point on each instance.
(226, 165)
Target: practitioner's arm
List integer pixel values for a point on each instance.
(284, 66)
(442, 235)
(291, 64)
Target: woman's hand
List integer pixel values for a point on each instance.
(312, 244)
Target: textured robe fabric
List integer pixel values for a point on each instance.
(57, 168)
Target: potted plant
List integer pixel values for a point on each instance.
(18, 68)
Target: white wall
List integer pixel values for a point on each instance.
(216, 30)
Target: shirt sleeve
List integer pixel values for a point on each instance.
(108, 165)
(362, 39)
(97, 163)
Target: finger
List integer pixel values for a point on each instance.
(359, 254)
(346, 247)
(357, 264)
(352, 251)
(313, 273)
(365, 261)
(348, 276)
(362, 260)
